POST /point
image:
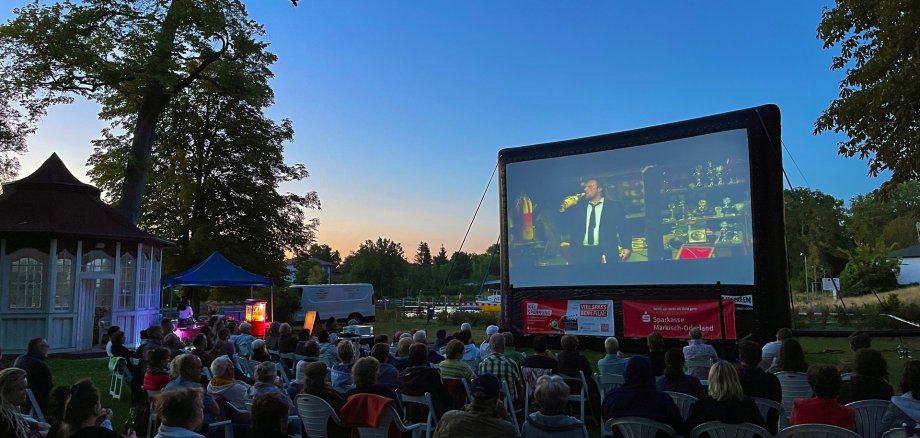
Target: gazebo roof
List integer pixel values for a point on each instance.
(51, 201)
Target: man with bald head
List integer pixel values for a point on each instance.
(505, 369)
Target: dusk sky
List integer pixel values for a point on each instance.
(400, 108)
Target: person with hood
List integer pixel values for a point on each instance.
(180, 413)
(726, 401)
(420, 378)
(328, 354)
(260, 351)
(483, 417)
(37, 370)
(551, 394)
(904, 409)
(823, 408)
(637, 397)
(224, 385)
(484, 350)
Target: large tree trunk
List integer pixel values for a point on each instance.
(132, 189)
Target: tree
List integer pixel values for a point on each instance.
(129, 55)
(380, 263)
(877, 107)
(423, 255)
(886, 216)
(814, 229)
(13, 131)
(325, 253)
(870, 269)
(441, 258)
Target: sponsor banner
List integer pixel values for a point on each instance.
(742, 302)
(573, 317)
(674, 319)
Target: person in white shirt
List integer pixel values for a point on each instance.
(770, 350)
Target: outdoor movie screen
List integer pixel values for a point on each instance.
(674, 213)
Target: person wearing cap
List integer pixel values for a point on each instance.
(243, 341)
(483, 417)
(260, 351)
(484, 349)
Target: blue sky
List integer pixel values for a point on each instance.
(400, 108)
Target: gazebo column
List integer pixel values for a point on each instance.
(52, 286)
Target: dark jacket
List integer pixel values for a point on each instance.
(683, 383)
(39, 376)
(388, 376)
(755, 382)
(727, 411)
(119, 350)
(418, 380)
(287, 344)
(864, 388)
(657, 359)
(637, 397)
(95, 432)
(570, 363)
(542, 362)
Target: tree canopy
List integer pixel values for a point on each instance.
(381, 263)
(877, 107)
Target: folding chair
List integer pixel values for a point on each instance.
(683, 401)
(315, 414)
(869, 415)
(794, 386)
(582, 396)
(691, 365)
(509, 406)
(459, 390)
(816, 431)
(424, 400)
(226, 425)
(35, 410)
(117, 382)
(382, 430)
(717, 429)
(638, 427)
(764, 405)
(895, 433)
(606, 383)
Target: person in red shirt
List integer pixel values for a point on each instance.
(823, 408)
(157, 375)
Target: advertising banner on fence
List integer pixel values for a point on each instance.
(674, 319)
(574, 317)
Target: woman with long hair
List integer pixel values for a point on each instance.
(13, 386)
(791, 358)
(84, 416)
(726, 401)
(674, 378)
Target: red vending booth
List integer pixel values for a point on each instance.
(256, 316)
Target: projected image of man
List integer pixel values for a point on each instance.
(596, 229)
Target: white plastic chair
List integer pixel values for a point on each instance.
(691, 365)
(846, 377)
(117, 382)
(425, 400)
(869, 415)
(795, 386)
(388, 417)
(226, 425)
(35, 410)
(764, 405)
(816, 431)
(895, 433)
(606, 383)
(582, 396)
(638, 427)
(717, 429)
(315, 414)
(683, 401)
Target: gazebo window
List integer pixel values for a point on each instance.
(63, 292)
(142, 283)
(27, 279)
(126, 291)
(98, 261)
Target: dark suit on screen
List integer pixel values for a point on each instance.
(611, 235)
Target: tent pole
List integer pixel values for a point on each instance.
(273, 302)
(250, 293)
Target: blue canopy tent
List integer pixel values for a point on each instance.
(217, 271)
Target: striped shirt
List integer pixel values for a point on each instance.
(455, 369)
(506, 371)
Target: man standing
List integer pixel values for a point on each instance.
(596, 229)
(37, 372)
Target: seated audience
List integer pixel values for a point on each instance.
(823, 408)
(157, 375)
(13, 384)
(550, 420)
(637, 397)
(223, 383)
(39, 375)
(260, 351)
(186, 373)
(401, 359)
(316, 382)
(571, 362)
(440, 340)
(180, 413)
(172, 342)
(332, 327)
(726, 401)
(265, 375)
(273, 336)
(511, 351)
(243, 341)
(117, 349)
(869, 381)
(328, 353)
(200, 349)
(500, 366)
(541, 357)
(454, 367)
(108, 336)
(224, 346)
(656, 350)
(470, 350)
(420, 378)
(791, 358)
(613, 362)
(387, 374)
(484, 349)
(302, 337)
(341, 372)
(422, 338)
(365, 373)
(755, 382)
(674, 378)
(858, 341)
(84, 416)
(698, 349)
(904, 409)
(269, 419)
(770, 351)
(287, 343)
(154, 339)
(484, 417)
(55, 413)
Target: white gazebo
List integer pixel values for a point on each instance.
(70, 265)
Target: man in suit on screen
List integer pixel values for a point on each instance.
(596, 229)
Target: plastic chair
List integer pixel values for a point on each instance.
(795, 386)
(206, 373)
(459, 390)
(35, 410)
(846, 377)
(638, 427)
(509, 406)
(582, 396)
(764, 405)
(683, 401)
(388, 417)
(424, 400)
(816, 431)
(606, 383)
(869, 415)
(718, 429)
(895, 433)
(117, 382)
(314, 414)
(242, 364)
(226, 425)
(691, 365)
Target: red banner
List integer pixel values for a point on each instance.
(674, 319)
(575, 317)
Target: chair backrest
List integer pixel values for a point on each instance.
(683, 401)
(795, 386)
(606, 382)
(206, 372)
(895, 433)
(424, 400)
(638, 427)
(509, 406)
(578, 385)
(226, 425)
(869, 415)
(764, 405)
(36, 410)
(531, 375)
(459, 390)
(816, 431)
(691, 366)
(387, 418)
(846, 377)
(314, 414)
(717, 429)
